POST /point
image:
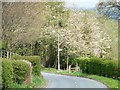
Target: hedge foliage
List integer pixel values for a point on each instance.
(14, 72)
(21, 69)
(35, 60)
(7, 73)
(97, 66)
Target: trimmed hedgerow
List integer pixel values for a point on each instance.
(99, 66)
(103, 69)
(110, 68)
(21, 69)
(35, 60)
(94, 66)
(83, 63)
(7, 73)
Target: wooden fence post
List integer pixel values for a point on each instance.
(7, 54)
(1, 53)
(10, 55)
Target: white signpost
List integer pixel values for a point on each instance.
(59, 53)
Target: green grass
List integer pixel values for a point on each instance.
(111, 83)
(18, 86)
(37, 82)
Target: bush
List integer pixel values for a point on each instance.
(110, 68)
(103, 69)
(7, 73)
(35, 60)
(21, 69)
(19, 86)
(99, 66)
(82, 62)
(94, 66)
(16, 57)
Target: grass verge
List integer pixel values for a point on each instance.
(37, 82)
(109, 82)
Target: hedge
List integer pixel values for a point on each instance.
(7, 73)
(111, 69)
(35, 60)
(82, 62)
(97, 66)
(14, 72)
(21, 69)
(94, 66)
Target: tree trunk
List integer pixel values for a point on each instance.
(67, 63)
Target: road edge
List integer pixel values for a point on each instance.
(76, 76)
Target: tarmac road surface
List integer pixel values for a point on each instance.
(63, 81)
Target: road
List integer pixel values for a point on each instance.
(63, 81)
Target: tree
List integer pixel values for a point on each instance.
(110, 8)
(34, 27)
(19, 20)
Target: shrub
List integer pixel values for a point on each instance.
(97, 66)
(0, 71)
(16, 57)
(7, 73)
(17, 86)
(103, 69)
(82, 63)
(35, 60)
(110, 68)
(94, 66)
(21, 69)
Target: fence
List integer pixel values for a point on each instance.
(7, 54)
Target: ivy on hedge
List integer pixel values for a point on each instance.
(35, 60)
(14, 71)
(7, 73)
(21, 69)
(99, 66)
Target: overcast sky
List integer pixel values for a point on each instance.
(85, 4)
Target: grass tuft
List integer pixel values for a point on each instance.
(37, 82)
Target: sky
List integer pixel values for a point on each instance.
(78, 4)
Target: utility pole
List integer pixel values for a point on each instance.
(58, 53)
